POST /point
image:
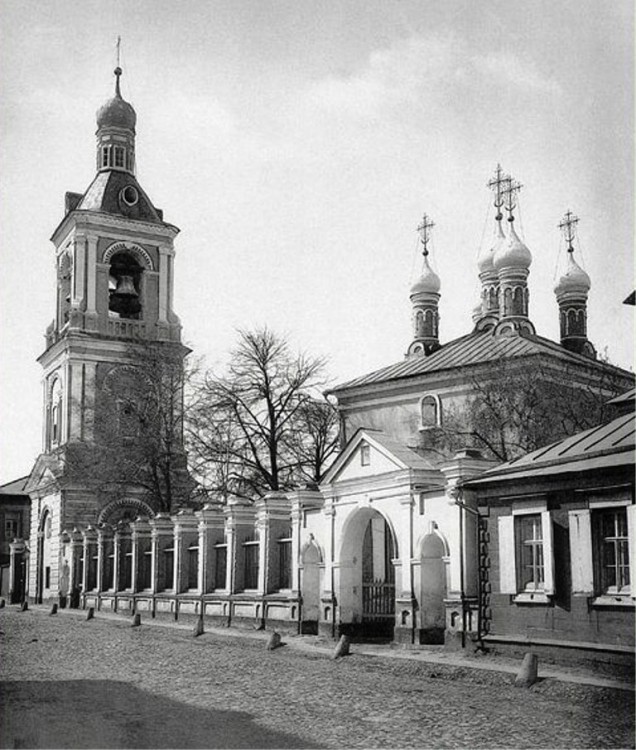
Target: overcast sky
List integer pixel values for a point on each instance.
(297, 144)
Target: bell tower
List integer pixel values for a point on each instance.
(114, 260)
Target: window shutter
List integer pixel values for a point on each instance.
(548, 552)
(581, 552)
(507, 567)
(631, 541)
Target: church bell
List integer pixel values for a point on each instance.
(125, 299)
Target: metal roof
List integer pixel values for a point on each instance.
(16, 487)
(609, 445)
(474, 349)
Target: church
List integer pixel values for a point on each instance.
(392, 543)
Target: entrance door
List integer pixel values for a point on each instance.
(378, 579)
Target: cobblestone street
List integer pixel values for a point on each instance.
(68, 682)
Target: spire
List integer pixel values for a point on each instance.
(424, 297)
(571, 291)
(116, 121)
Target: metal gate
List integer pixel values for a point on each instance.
(378, 601)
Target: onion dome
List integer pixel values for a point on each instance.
(512, 254)
(486, 256)
(428, 283)
(575, 279)
(116, 112)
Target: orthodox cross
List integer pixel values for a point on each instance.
(510, 190)
(424, 232)
(568, 226)
(497, 186)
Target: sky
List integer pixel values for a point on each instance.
(297, 145)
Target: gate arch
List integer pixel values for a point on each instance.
(366, 591)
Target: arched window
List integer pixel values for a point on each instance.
(55, 414)
(430, 411)
(124, 286)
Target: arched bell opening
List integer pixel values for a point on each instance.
(367, 577)
(124, 286)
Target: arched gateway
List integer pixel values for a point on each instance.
(367, 575)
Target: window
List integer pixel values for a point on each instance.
(529, 549)
(612, 548)
(119, 156)
(47, 577)
(105, 156)
(603, 549)
(126, 565)
(145, 567)
(91, 579)
(284, 561)
(11, 528)
(109, 567)
(250, 550)
(429, 412)
(526, 565)
(220, 566)
(365, 454)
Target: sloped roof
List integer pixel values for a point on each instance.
(609, 445)
(474, 349)
(103, 194)
(404, 454)
(624, 398)
(17, 487)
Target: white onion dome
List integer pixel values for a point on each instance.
(575, 279)
(512, 254)
(117, 112)
(486, 256)
(428, 283)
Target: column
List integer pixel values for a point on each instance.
(89, 564)
(404, 631)
(76, 550)
(91, 283)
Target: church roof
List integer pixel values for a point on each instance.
(104, 195)
(476, 348)
(603, 447)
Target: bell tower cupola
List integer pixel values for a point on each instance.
(425, 299)
(571, 291)
(116, 120)
(511, 262)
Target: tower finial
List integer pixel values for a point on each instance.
(118, 68)
(497, 186)
(510, 190)
(568, 227)
(424, 232)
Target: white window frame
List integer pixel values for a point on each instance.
(508, 578)
(438, 412)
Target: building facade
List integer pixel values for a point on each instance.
(114, 257)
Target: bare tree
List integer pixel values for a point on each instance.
(138, 416)
(248, 430)
(514, 409)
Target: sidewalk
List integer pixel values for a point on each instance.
(424, 654)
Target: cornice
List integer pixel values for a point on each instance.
(87, 220)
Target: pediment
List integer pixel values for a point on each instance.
(42, 476)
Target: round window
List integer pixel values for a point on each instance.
(129, 195)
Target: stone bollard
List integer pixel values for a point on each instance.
(90, 613)
(273, 641)
(53, 609)
(24, 607)
(136, 621)
(529, 671)
(342, 647)
(198, 628)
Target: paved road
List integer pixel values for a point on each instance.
(72, 683)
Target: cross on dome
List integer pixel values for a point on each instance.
(568, 227)
(510, 190)
(497, 186)
(424, 232)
